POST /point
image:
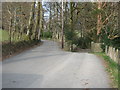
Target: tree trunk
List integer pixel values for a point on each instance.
(31, 21)
(40, 14)
(99, 21)
(71, 20)
(37, 21)
(62, 26)
(10, 26)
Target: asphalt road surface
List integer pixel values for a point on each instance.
(47, 66)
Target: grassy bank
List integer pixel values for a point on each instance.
(112, 67)
(9, 49)
(4, 36)
(16, 46)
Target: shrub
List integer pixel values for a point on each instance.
(47, 34)
(109, 42)
(83, 42)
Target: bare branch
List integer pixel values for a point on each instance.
(107, 18)
(104, 5)
(9, 10)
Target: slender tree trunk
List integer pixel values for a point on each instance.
(54, 25)
(42, 23)
(57, 20)
(50, 15)
(21, 24)
(40, 12)
(10, 26)
(14, 25)
(71, 20)
(37, 21)
(99, 17)
(62, 25)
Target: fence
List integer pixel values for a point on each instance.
(113, 53)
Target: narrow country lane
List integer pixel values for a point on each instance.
(48, 66)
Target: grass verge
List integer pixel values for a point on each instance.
(112, 68)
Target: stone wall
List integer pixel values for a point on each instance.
(96, 47)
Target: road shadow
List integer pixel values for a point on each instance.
(18, 80)
(46, 50)
(36, 57)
